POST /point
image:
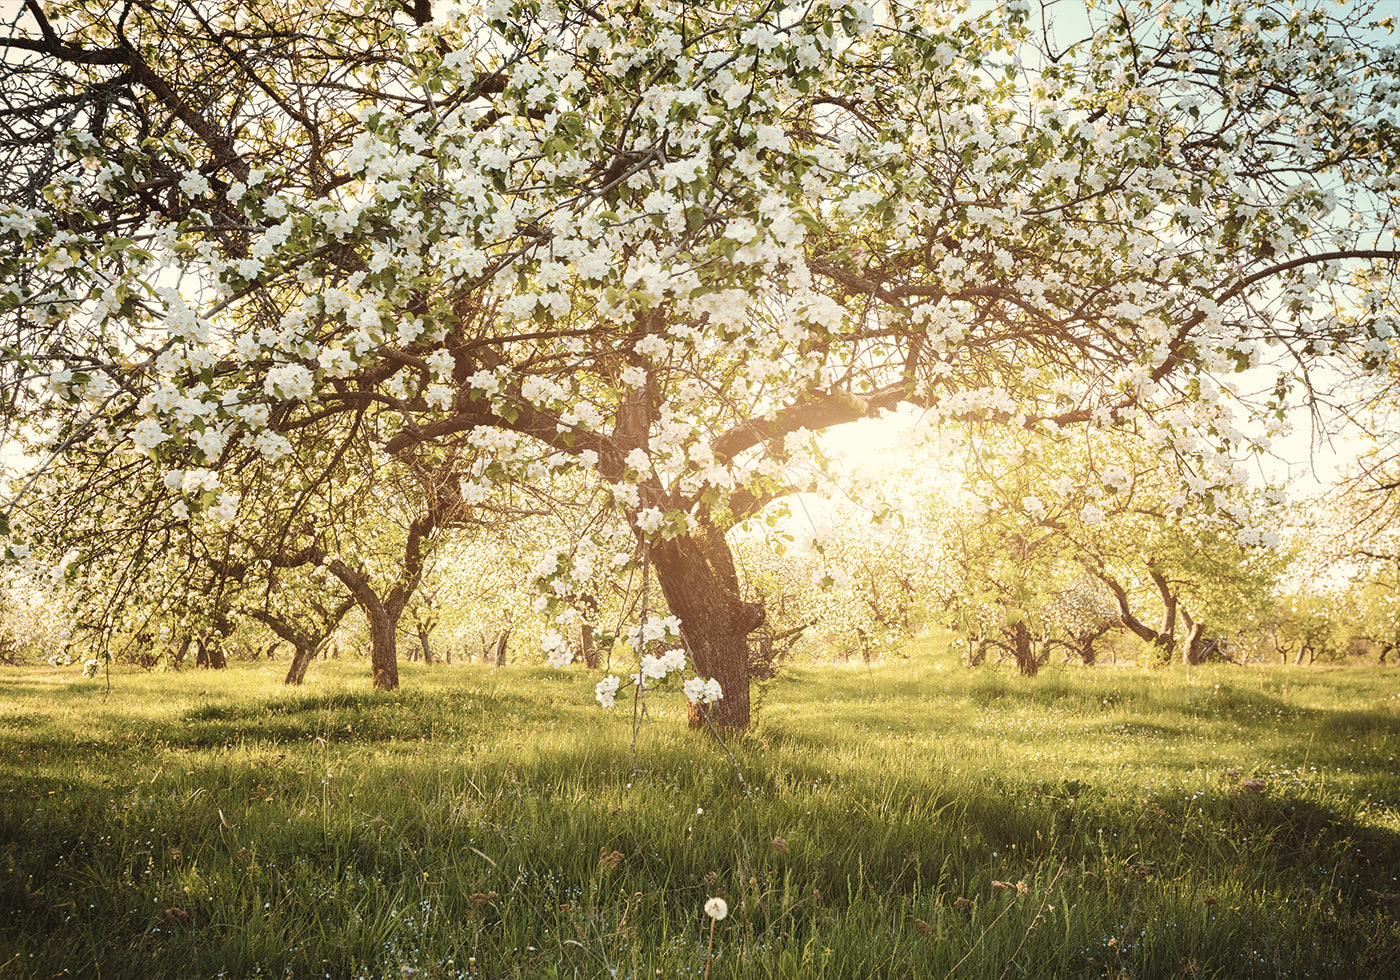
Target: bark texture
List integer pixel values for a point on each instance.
(1023, 649)
(1193, 650)
(1162, 637)
(697, 577)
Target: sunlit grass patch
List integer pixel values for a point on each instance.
(489, 823)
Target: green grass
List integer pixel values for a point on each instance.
(481, 823)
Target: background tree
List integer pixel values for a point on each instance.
(853, 579)
(1304, 628)
(1044, 509)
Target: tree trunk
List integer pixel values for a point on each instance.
(382, 621)
(499, 655)
(178, 658)
(1193, 650)
(721, 654)
(1023, 650)
(306, 640)
(697, 577)
(1164, 639)
(423, 631)
(209, 653)
(1084, 648)
(590, 649)
(976, 650)
(1086, 641)
(302, 656)
(382, 615)
(384, 648)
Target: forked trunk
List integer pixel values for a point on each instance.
(382, 620)
(1088, 656)
(177, 659)
(1086, 641)
(1162, 641)
(209, 653)
(1193, 650)
(302, 656)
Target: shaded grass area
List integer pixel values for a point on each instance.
(934, 823)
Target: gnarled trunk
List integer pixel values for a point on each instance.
(697, 577)
(1193, 650)
(177, 658)
(384, 649)
(301, 659)
(382, 620)
(1164, 637)
(444, 507)
(209, 652)
(307, 641)
(1086, 640)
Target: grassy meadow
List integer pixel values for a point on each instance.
(914, 819)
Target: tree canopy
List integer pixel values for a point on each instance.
(661, 242)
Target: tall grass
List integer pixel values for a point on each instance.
(930, 822)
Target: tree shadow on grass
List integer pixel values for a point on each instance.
(560, 835)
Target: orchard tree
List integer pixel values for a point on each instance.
(854, 576)
(1046, 511)
(1008, 563)
(1214, 565)
(655, 241)
(29, 628)
(1306, 627)
(300, 607)
(1355, 540)
(1376, 613)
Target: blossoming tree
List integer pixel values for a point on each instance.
(1051, 510)
(659, 241)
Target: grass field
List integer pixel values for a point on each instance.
(932, 822)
